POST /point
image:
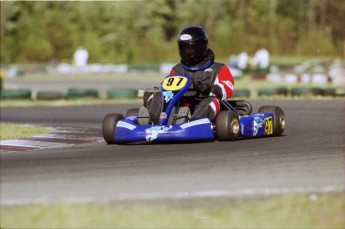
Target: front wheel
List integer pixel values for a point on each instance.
(228, 125)
(278, 117)
(108, 127)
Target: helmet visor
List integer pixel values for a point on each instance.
(187, 50)
(192, 53)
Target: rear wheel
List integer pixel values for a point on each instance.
(133, 112)
(228, 125)
(278, 117)
(108, 127)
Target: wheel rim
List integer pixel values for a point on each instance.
(235, 124)
(282, 121)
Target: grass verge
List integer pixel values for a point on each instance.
(15, 131)
(324, 210)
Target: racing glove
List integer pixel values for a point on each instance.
(201, 87)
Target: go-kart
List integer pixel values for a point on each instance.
(235, 120)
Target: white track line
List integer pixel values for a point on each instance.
(175, 195)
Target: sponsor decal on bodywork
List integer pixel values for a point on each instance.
(125, 125)
(257, 124)
(168, 95)
(163, 115)
(152, 132)
(195, 123)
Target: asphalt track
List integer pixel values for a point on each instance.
(310, 156)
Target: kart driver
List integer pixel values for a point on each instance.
(211, 81)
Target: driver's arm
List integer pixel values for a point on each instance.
(223, 84)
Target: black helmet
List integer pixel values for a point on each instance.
(192, 45)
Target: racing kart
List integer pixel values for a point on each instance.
(235, 120)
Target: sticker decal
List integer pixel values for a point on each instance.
(174, 83)
(185, 37)
(152, 132)
(168, 95)
(268, 126)
(163, 115)
(257, 124)
(195, 123)
(125, 125)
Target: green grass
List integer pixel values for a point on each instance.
(285, 211)
(14, 131)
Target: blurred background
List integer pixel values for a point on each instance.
(119, 36)
(146, 31)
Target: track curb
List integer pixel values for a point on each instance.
(59, 137)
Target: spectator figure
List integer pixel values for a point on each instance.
(261, 60)
(242, 60)
(80, 57)
(233, 61)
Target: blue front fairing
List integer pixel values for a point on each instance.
(128, 131)
(256, 125)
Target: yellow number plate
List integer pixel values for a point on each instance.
(268, 126)
(174, 83)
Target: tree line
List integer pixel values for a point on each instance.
(146, 31)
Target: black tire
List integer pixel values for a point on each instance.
(50, 95)
(242, 107)
(246, 107)
(278, 118)
(228, 125)
(80, 93)
(133, 112)
(108, 127)
(328, 92)
(283, 91)
(272, 91)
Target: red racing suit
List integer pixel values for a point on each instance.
(216, 76)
